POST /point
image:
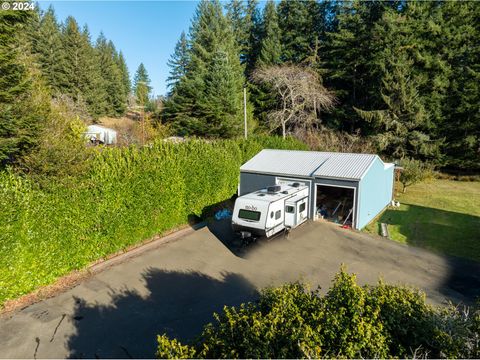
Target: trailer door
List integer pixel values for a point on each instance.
(290, 214)
(301, 214)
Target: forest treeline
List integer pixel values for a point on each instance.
(405, 74)
(92, 73)
(54, 79)
(401, 78)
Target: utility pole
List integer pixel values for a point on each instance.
(143, 105)
(245, 108)
(143, 125)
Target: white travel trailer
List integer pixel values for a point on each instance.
(268, 211)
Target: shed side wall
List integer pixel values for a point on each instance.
(250, 182)
(375, 192)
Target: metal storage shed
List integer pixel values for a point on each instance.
(360, 182)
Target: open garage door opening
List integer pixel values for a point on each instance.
(335, 204)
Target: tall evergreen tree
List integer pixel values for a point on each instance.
(141, 85)
(413, 78)
(236, 13)
(216, 103)
(22, 105)
(348, 56)
(122, 65)
(112, 81)
(178, 62)
(93, 92)
(245, 22)
(47, 45)
(253, 26)
(297, 21)
(197, 106)
(401, 128)
(81, 76)
(75, 49)
(270, 38)
(270, 53)
(460, 128)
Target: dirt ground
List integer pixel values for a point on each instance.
(175, 288)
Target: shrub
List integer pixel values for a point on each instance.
(414, 171)
(326, 139)
(123, 196)
(404, 315)
(456, 332)
(279, 326)
(350, 321)
(173, 349)
(352, 326)
(457, 177)
(60, 149)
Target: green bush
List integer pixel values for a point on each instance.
(350, 321)
(414, 171)
(404, 315)
(351, 324)
(279, 326)
(173, 349)
(124, 196)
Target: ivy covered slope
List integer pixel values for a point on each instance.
(350, 321)
(126, 196)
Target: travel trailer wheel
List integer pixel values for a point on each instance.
(245, 235)
(248, 240)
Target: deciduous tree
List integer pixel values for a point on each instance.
(300, 93)
(413, 171)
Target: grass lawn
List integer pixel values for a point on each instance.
(440, 215)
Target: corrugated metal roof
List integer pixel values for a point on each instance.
(310, 164)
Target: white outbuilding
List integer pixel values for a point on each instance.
(101, 134)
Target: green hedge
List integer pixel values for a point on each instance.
(128, 195)
(348, 322)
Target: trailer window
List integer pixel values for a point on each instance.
(278, 214)
(249, 215)
(302, 207)
(289, 209)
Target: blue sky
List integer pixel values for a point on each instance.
(145, 31)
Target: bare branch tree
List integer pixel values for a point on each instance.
(300, 93)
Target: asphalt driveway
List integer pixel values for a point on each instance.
(175, 288)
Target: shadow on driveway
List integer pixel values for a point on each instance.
(462, 281)
(451, 234)
(179, 304)
(222, 230)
